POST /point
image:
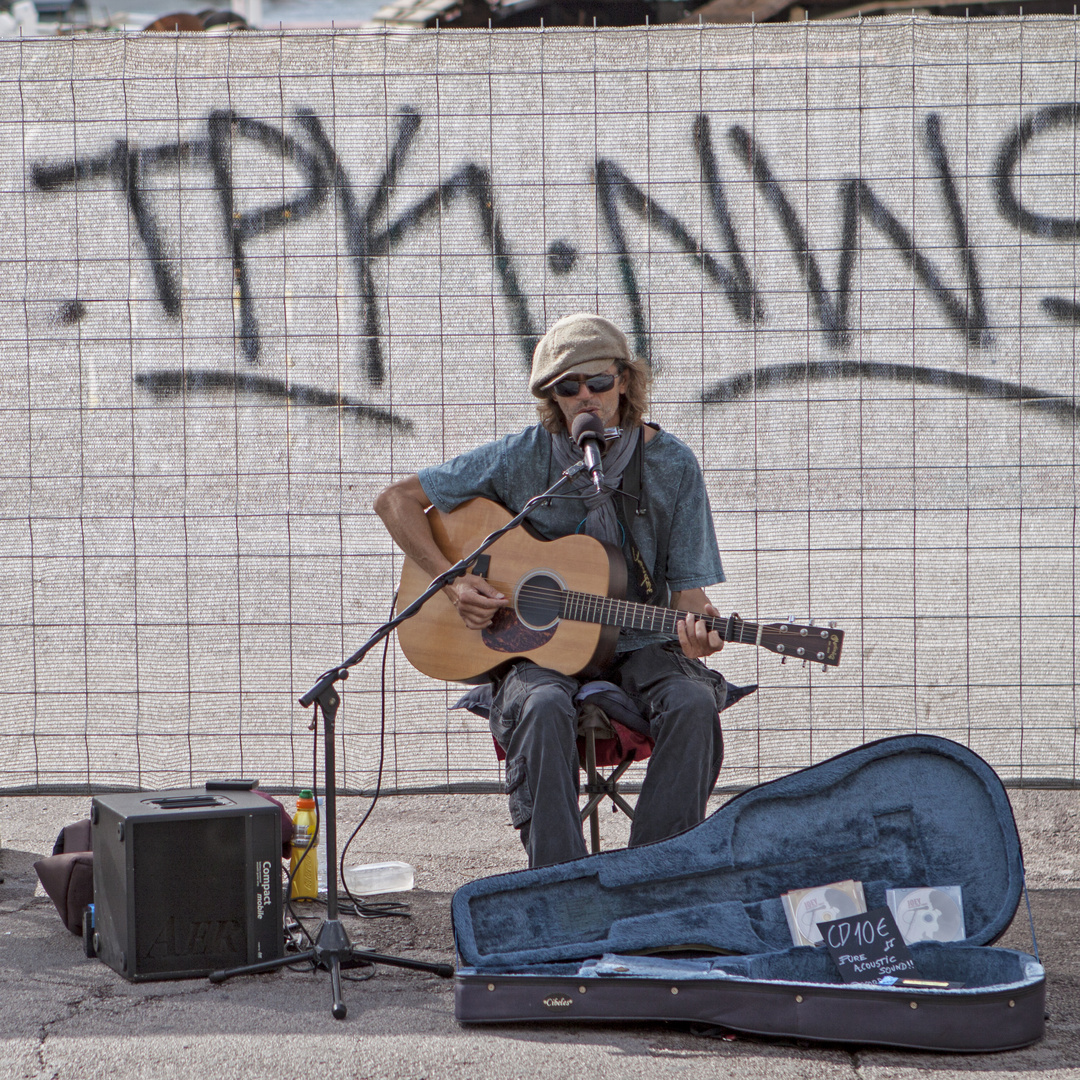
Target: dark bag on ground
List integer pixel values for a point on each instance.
(67, 875)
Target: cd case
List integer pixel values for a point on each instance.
(806, 908)
(930, 913)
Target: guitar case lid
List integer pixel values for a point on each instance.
(910, 811)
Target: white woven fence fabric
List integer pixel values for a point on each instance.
(246, 281)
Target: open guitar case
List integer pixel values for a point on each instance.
(693, 928)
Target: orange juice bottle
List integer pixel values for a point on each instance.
(305, 881)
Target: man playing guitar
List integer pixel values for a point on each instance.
(654, 507)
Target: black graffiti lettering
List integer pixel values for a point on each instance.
(1060, 308)
(371, 231)
(773, 376)
(223, 127)
(171, 383)
(125, 167)
(1010, 156)
(856, 197)
(831, 313)
(473, 182)
(737, 283)
(320, 168)
(968, 314)
(612, 183)
(365, 242)
(359, 224)
(970, 317)
(883, 219)
(613, 186)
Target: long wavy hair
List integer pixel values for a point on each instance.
(633, 405)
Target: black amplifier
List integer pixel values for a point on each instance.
(186, 882)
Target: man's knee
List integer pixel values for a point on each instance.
(691, 706)
(548, 714)
(690, 727)
(550, 697)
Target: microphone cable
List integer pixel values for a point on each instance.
(348, 903)
(375, 909)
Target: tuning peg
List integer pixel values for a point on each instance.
(832, 625)
(824, 667)
(811, 622)
(783, 659)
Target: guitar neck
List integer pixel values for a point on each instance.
(590, 608)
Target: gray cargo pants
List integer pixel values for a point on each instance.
(534, 720)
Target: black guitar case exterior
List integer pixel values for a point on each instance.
(693, 928)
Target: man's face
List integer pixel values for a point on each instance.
(605, 403)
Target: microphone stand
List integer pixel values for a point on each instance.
(332, 950)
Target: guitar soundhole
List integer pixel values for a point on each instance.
(539, 600)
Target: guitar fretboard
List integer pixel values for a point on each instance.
(590, 608)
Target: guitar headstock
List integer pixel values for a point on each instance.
(818, 644)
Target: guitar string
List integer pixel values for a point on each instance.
(602, 608)
(540, 592)
(644, 612)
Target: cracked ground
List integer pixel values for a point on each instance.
(68, 1017)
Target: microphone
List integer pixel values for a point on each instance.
(588, 432)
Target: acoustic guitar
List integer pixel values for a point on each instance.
(566, 609)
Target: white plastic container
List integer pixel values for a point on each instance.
(321, 850)
(379, 877)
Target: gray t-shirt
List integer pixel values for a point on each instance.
(676, 537)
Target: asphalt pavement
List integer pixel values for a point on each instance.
(67, 1017)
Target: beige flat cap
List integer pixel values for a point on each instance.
(583, 344)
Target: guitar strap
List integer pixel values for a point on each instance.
(631, 502)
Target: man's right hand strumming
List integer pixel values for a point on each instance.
(401, 507)
(476, 600)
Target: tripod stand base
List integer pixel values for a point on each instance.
(334, 952)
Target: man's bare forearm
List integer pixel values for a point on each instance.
(401, 507)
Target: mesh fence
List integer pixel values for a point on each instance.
(249, 280)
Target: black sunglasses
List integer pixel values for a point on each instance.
(571, 387)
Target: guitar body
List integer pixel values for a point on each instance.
(522, 567)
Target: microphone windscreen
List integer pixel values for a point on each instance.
(586, 425)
